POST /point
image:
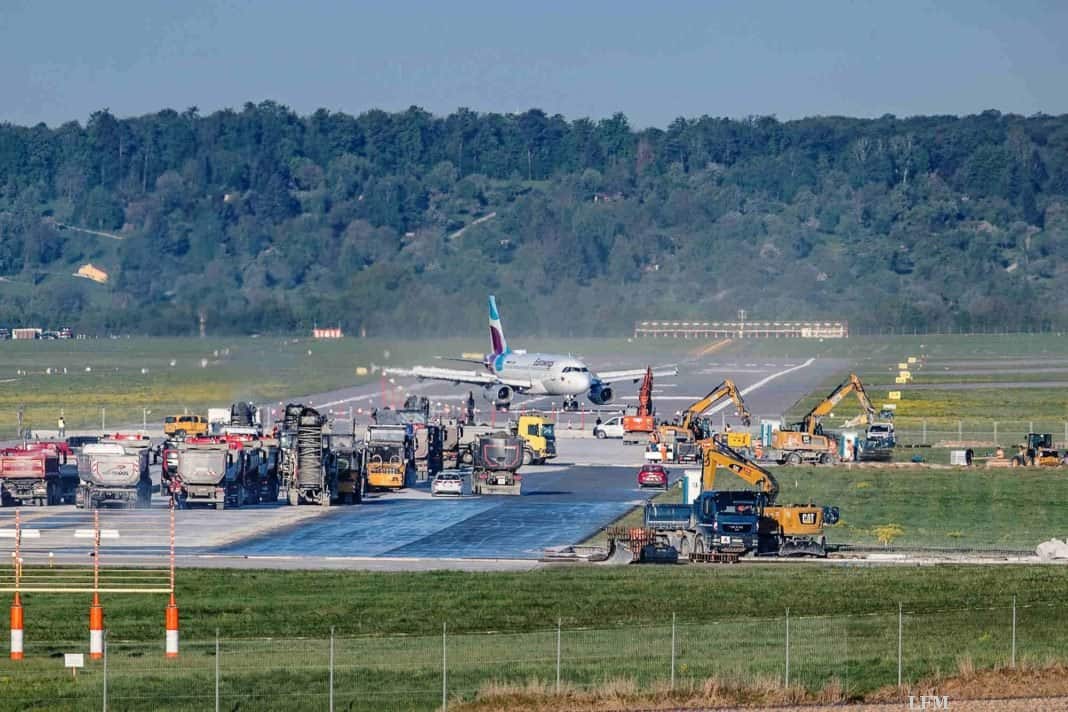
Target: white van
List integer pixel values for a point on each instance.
(611, 428)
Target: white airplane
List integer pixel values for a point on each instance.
(505, 372)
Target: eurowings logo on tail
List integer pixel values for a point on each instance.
(497, 341)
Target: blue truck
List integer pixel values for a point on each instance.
(724, 522)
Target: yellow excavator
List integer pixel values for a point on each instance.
(686, 438)
(805, 441)
(793, 530)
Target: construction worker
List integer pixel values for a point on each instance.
(62, 424)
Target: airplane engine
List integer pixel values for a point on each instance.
(499, 396)
(600, 395)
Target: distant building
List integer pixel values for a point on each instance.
(335, 333)
(88, 271)
(26, 334)
(742, 329)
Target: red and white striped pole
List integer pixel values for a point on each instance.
(16, 605)
(172, 607)
(16, 628)
(96, 611)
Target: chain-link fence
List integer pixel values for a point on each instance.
(977, 433)
(854, 654)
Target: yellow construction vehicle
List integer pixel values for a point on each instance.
(539, 436)
(794, 530)
(806, 441)
(691, 429)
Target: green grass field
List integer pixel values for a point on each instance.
(615, 622)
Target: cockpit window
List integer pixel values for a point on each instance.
(576, 369)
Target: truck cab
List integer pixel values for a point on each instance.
(717, 521)
(540, 437)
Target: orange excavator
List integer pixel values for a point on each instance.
(638, 425)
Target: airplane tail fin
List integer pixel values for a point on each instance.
(497, 341)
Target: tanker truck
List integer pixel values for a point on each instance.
(113, 473)
(497, 459)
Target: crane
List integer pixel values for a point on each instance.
(795, 529)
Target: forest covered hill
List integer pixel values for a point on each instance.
(401, 223)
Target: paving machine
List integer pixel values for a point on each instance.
(308, 465)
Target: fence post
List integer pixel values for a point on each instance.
(995, 433)
(559, 623)
(900, 626)
(444, 669)
(924, 431)
(1031, 426)
(1014, 631)
(105, 651)
(331, 668)
(216, 670)
(1066, 433)
(672, 650)
(787, 647)
(960, 430)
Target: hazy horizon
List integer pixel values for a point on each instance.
(789, 60)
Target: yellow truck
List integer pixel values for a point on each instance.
(185, 426)
(539, 436)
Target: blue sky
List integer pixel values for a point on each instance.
(652, 61)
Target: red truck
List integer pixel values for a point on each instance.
(38, 473)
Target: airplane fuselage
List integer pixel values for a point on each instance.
(549, 374)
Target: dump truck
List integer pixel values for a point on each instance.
(451, 438)
(539, 436)
(717, 522)
(37, 473)
(210, 472)
(114, 472)
(261, 478)
(388, 460)
(309, 466)
(497, 459)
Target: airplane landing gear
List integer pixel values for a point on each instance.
(571, 404)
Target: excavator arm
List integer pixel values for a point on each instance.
(645, 395)
(727, 389)
(850, 385)
(718, 455)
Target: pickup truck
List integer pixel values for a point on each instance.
(717, 521)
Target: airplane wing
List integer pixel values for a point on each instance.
(636, 374)
(455, 375)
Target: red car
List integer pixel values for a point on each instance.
(652, 475)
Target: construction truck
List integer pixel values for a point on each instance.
(388, 460)
(497, 459)
(806, 441)
(539, 437)
(451, 445)
(786, 530)
(351, 482)
(38, 473)
(717, 526)
(261, 460)
(639, 424)
(114, 472)
(308, 465)
(1037, 451)
(681, 441)
(208, 471)
(427, 437)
